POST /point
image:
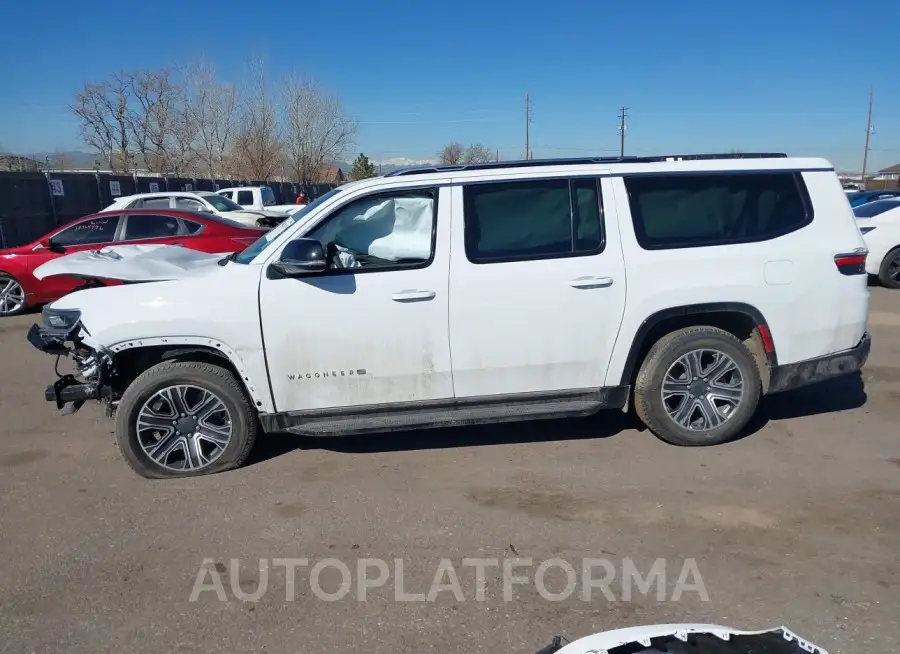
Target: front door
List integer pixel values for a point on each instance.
(537, 286)
(92, 234)
(372, 329)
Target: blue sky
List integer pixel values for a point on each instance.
(697, 75)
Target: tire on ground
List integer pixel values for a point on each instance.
(648, 400)
(884, 277)
(220, 381)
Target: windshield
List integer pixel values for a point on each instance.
(221, 203)
(268, 196)
(260, 244)
(872, 209)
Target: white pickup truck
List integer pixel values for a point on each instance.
(680, 288)
(259, 198)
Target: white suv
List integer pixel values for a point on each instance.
(684, 287)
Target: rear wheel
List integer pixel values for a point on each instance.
(889, 273)
(697, 386)
(12, 296)
(185, 418)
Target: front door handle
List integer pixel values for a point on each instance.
(591, 282)
(412, 296)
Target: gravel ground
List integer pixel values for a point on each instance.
(796, 524)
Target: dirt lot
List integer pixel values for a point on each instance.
(796, 524)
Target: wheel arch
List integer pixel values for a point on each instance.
(131, 358)
(743, 320)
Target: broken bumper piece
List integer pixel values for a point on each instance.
(89, 381)
(700, 638)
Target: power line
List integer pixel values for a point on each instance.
(622, 116)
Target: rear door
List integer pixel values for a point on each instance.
(537, 286)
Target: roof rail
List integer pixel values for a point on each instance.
(439, 168)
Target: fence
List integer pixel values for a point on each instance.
(32, 204)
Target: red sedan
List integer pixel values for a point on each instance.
(20, 289)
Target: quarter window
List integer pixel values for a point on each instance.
(534, 219)
(245, 198)
(681, 211)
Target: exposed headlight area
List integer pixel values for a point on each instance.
(63, 320)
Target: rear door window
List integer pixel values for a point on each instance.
(142, 225)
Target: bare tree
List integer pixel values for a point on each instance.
(257, 148)
(452, 153)
(478, 153)
(102, 110)
(213, 106)
(317, 131)
(152, 117)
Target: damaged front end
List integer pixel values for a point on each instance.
(62, 334)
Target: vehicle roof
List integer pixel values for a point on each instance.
(175, 213)
(601, 166)
(243, 188)
(160, 194)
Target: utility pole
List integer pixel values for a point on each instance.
(868, 134)
(622, 116)
(527, 126)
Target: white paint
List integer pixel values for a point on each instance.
(512, 327)
(882, 239)
(323, 330)
(527, 326)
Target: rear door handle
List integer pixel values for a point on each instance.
(412, 296)
(591, 282)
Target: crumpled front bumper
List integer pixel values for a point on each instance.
(69, 389)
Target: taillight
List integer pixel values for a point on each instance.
(853, 263)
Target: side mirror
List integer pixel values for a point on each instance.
(301, 256)
(49, 244)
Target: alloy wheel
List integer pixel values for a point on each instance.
(702, 389)
(184, 428)
(12, 296)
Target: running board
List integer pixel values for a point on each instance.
(446, 413)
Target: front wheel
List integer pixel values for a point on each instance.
(185, 418)
(697, 386)
(12, 296)
(889, 273)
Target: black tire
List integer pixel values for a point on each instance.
(884, 273)
(4, 278)
(652, 409)
(211, 378)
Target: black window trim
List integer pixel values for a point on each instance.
(541, 257)
(123, 228)
(641, 235)
(435, 192)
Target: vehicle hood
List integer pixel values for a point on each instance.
(248, 216)
(132, 263)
